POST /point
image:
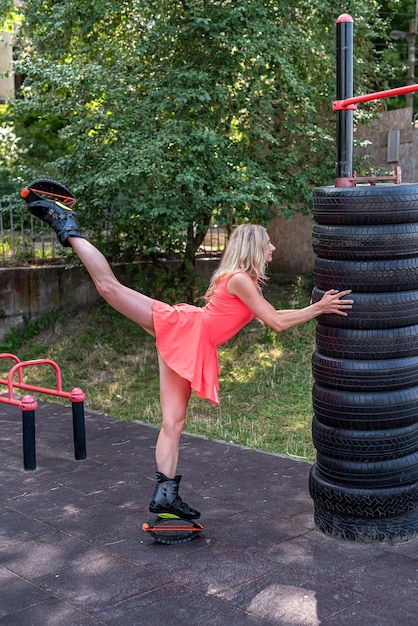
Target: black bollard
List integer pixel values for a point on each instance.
(28, 407)
(79, 429)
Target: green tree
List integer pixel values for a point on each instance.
(395, 46)
(175, 112)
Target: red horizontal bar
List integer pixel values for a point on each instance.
(10, 401)
(25, 404)
(350, 103)
(27, 387)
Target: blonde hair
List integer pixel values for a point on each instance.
(245, 252)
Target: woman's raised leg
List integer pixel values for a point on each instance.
(132, 304)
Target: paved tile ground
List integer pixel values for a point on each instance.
(72, 552)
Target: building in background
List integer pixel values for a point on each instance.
(7, 83)
(388, 141)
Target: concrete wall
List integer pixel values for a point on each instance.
(374, 143)
(292, 238)
(27, 293)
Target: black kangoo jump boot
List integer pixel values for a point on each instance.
(62, 219)
(166, 499)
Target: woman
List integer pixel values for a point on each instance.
(187, 336)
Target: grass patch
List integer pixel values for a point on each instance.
(266, 379)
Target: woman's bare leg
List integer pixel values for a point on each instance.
(132, 304)
(174, 394)
(174, 398)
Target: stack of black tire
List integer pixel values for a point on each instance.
(365, 367)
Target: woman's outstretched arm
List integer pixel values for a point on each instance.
(242, 286)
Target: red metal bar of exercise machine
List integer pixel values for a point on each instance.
(346, 103)
(28, 406)
(351, 103)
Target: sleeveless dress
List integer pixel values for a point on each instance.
(187, 336)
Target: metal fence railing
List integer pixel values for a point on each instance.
(215, 240)
(23, 239)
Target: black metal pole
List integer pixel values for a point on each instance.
(79, 431)
(79, 428)
(344, 90)
(28, 406)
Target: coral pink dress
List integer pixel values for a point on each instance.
(187, 336)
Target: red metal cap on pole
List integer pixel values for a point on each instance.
(28, 403)
(77, 395)
(345, 17)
